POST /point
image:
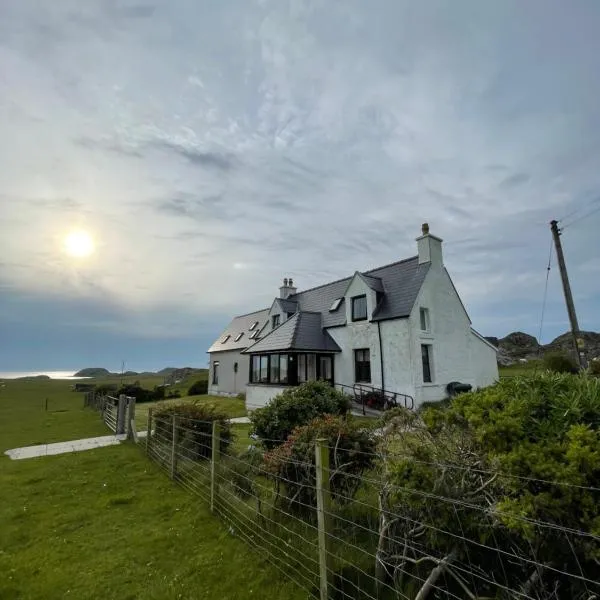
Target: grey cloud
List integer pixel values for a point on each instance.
(195, 156)
(515, 180)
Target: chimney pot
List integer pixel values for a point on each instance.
(425, 228)
(285, 282)
(291, 281)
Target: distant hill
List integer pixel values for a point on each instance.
(170, 374)
(518, 345)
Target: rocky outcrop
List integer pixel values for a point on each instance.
(518, 346)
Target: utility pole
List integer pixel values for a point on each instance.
(580, 353)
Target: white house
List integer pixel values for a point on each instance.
(402, 328)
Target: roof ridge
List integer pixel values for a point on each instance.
(296, 324)
(398, 262)
(254, 312)
(351, 276)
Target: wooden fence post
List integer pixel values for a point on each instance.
(148, 430)
(121, 416)
(215, 448)
(323, 520)
(174, 447)
(131, 429)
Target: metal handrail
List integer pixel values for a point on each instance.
(392, 399)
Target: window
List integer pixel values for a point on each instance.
(326, 370)
(362, 366)
(274, 369)
(255, 370)
(424, 314)
(215, 373)
(253, 326)
(283, 368)
(254, 334)
(335, 305)
(359, 308)
(290, 315)
(264, 369)
(301, 368)
(426, 358)
(275, 319)
(238, 337)
(224, 340)
(311, 367)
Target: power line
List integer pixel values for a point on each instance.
(545, 296)
(584, 216)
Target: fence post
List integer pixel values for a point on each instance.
(121, 410)
(148, 430)
(174, 447)
(215, 448)
(131, 430)
(323, 520)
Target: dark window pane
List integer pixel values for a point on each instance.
(275, 321)
(362, 366)
(359, 308)
(216, 373)
(283, 368)
(264, 369)
(255, 377)
(426, 356)
(326, 370)
(311, 367)
(274, 375)
(301, 368)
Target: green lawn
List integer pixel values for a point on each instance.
(521, 368)
(107, 523)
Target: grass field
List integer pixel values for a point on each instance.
(106, 523)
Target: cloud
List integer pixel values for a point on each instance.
(302, 138)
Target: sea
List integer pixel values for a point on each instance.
(51, 374)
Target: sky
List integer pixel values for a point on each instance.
(212, 148)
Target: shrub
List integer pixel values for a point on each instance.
(595, 367)
(351, 452)
(558, 362)
(501, 448)
(142, 394)
(174, 394)
(105, 389)
(198, 388)
(195, 429)
(294, 407)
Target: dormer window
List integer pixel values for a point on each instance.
(335, 305)
(275, 321)
(225, 339)
(253, 326)
(238, 337)
(359, 308)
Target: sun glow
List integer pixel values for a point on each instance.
(79, 244)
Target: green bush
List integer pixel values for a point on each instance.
(294, 407)
(526, 451)
(595, 367)
(198, 388)
(195, 429)
(351, 452)
(142, 394)
(105, 389)
(558, 362)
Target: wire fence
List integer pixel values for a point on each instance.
(342, 532)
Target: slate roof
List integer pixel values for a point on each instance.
(303, 331)
(400, 283)
(239, 325)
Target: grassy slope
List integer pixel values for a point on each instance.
(106, 523)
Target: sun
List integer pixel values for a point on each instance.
(79, 244)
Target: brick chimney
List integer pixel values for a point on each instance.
(287, 289)
(429, 247)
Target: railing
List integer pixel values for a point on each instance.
(117, 413)
(111, 413)
(370, 397)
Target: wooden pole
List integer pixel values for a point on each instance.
(215, 452)
(174, 447)
(579, 352)
(323, 519)
(148, 430)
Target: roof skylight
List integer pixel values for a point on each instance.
(238, 337)
(335, 305)
(252, 327)
(224, 340)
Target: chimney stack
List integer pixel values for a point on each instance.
(287, 289)
(429, 247)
